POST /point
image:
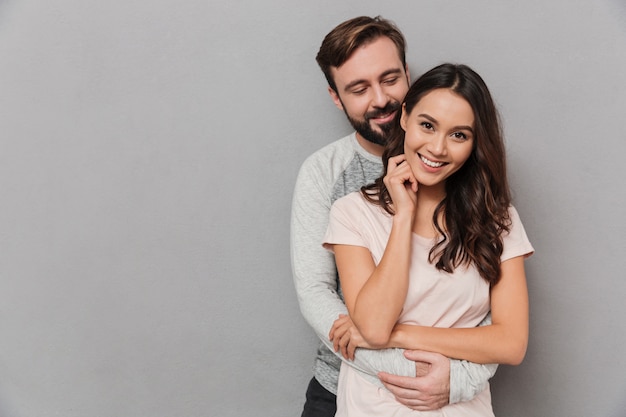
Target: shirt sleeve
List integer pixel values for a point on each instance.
(344, 224)
(313, 267)
(516, 241)
(468, 379)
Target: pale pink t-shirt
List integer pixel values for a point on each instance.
(434, 298)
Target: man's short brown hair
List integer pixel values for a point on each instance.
(340, 43)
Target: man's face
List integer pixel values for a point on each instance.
(371, 85)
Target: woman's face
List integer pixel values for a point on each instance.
(439, 136)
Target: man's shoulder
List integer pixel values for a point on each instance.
(329, 161)
(341, 148)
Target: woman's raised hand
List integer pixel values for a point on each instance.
(401, 184)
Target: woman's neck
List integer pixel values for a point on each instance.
(428, 198)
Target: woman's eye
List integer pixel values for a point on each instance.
(427, 125)
(459, 135)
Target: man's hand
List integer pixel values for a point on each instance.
(430, 389)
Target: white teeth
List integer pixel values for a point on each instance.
(431, 163)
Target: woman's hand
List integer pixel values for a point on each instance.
(346, 337)
(401, 184)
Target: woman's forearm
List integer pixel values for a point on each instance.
(486, 344)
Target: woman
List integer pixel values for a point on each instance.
(428, 250)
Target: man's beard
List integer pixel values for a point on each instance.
(364, 128)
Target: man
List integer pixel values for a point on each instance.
(363, 60)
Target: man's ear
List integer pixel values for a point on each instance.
(335, 97)
(408, 74)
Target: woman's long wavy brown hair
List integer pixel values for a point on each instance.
(475, 208)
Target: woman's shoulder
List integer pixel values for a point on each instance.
(514, 216)
(357, 209)
(356, 202)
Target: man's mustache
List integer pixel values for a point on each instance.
(389, 108)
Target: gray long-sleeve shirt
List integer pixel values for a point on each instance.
(328, 174)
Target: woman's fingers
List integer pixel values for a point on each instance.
(345, 337)
(400, 182)
(336, 325)
(338, 331)
(345, 340)
(351, 349)
(394, 161)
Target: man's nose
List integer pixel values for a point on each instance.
(380, 97)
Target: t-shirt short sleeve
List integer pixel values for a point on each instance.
(515, 242)
(344, 224)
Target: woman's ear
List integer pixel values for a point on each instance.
(403, 118)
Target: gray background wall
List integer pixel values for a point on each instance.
(148, 154)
